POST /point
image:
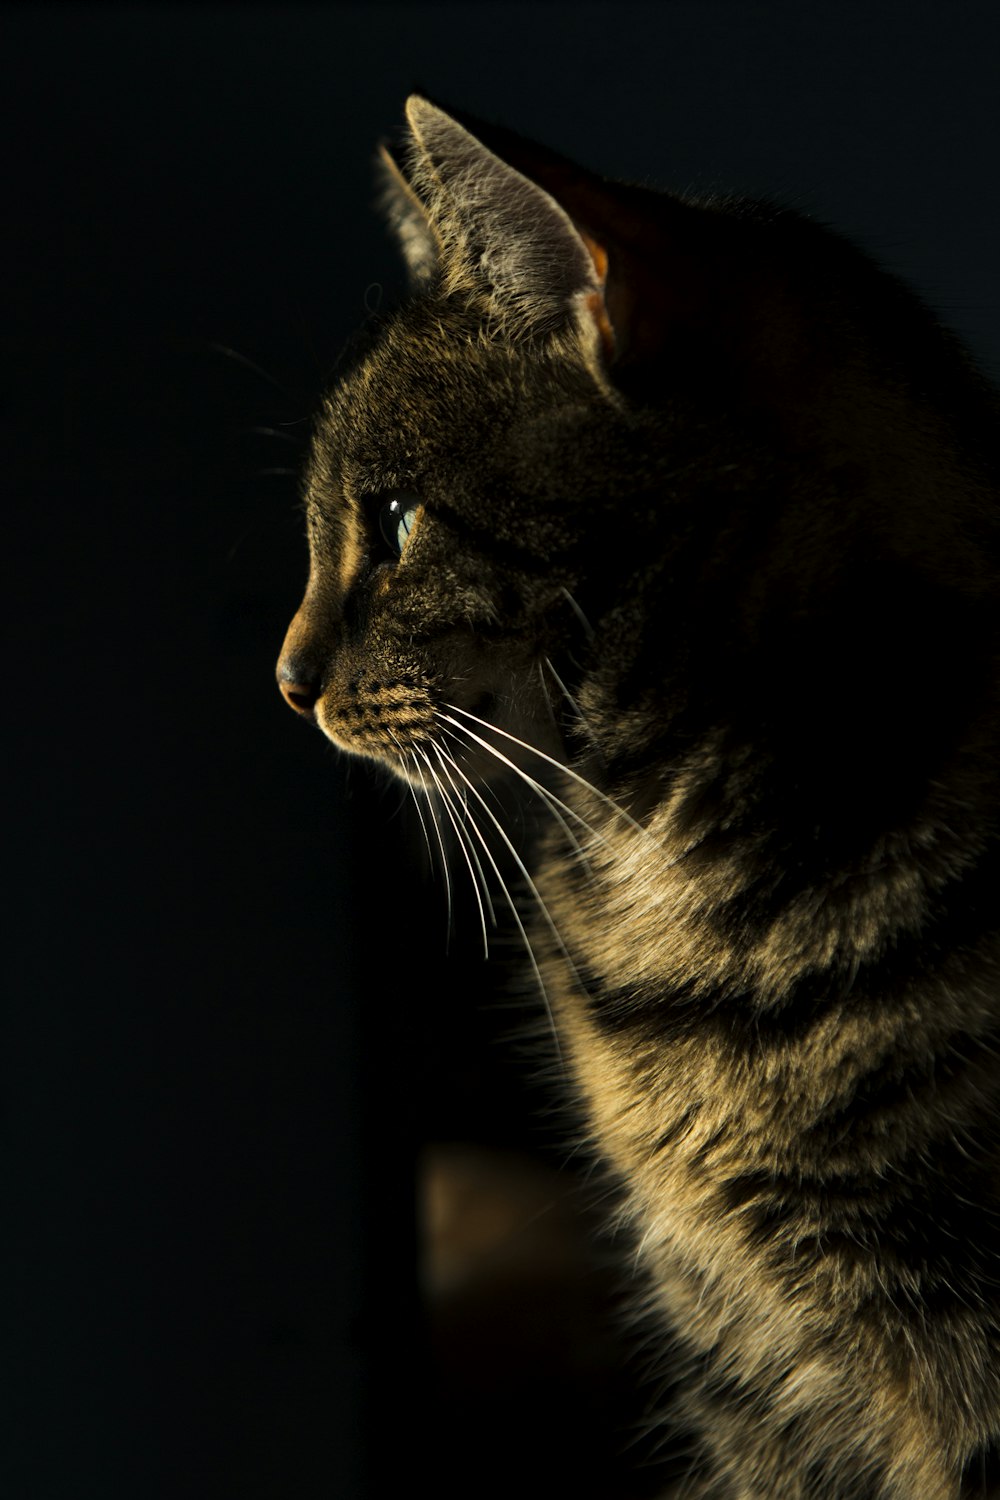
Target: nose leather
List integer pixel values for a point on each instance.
(299, 696)
(299, 676)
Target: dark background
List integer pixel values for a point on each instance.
(206, 1243)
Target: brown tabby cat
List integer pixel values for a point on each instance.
(692, 501)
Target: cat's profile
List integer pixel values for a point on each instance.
(691, 499)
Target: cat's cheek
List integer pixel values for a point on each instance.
(382, 579)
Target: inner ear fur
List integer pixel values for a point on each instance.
(408, 219)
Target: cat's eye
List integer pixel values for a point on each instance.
(396, 519)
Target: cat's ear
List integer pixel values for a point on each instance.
(409, 221)
(501, 234)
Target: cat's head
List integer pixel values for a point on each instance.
(613, 438)
(457, 470)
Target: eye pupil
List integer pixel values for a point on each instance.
(396, 520)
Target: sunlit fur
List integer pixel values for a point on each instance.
(707, 556)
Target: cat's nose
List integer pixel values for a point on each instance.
(299, 676)
(302, 696)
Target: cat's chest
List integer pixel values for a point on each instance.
(679, 1117)
(634, 907)
(659, 1010)
(626, 940)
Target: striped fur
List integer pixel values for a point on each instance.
(704, 545)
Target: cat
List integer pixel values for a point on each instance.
(686, 513)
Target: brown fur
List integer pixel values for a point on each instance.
(703, 508)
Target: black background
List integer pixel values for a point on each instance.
(207, 1139)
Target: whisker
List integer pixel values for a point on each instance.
(582, 781)
(404, 756)
(440, 842)
(509, 898)
(532, 887)
(552, 803)
(462, 796)
(276, 432)
(416, 800)
(536, 786)
(578, 711)
(241, 359)
(461, 837)
(587, 627)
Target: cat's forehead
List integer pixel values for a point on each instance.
(432, 384)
